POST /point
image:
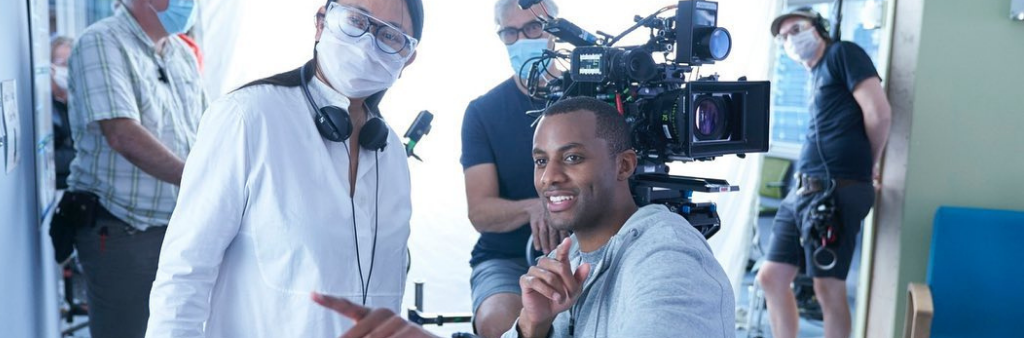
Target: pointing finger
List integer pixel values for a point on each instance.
(342, 306)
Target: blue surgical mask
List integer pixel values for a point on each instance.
(522, 51)
(179, 16)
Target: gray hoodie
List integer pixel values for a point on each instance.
(656, 277)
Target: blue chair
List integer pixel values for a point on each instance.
(975, 277)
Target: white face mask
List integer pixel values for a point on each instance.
(60, 76)
(801, 46)
(353, 66)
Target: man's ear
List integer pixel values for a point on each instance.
(626, 164)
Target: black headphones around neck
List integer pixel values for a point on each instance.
(335, 125)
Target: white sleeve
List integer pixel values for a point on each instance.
(205, 221)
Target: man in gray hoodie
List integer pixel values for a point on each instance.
(626, 271)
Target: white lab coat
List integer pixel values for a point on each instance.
(263, 219)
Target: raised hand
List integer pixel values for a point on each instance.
(549, 288)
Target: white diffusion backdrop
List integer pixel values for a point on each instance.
(459, 59)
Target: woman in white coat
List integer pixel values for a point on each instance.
(290, 188)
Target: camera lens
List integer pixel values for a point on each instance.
(631, 64)
(709, 118)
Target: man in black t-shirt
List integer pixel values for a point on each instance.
(497, 140)
(817, 224)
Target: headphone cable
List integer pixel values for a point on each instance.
(376, 215)
(364, 284)
(355, 233)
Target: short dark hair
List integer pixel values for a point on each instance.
(611, 126)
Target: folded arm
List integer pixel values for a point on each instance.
(128, 138)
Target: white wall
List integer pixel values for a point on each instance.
(23, 285)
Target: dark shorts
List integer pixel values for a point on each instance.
(494, 276)
(853, 201)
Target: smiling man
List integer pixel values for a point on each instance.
(626, 271)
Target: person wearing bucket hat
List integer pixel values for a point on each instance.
(817, 224)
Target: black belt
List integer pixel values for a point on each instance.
(812, 184)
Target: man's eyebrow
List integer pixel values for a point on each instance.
(564, 148)
(521, 27)
(570, 146)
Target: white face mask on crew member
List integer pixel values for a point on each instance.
(801, 46)
(353, 66)
(60, 76)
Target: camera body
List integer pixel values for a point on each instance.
(671, 118)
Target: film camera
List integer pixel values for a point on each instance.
(671, 118)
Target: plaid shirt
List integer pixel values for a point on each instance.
(115, 72)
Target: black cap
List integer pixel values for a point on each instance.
(802, 12)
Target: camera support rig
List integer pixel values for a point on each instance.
(652, 184)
